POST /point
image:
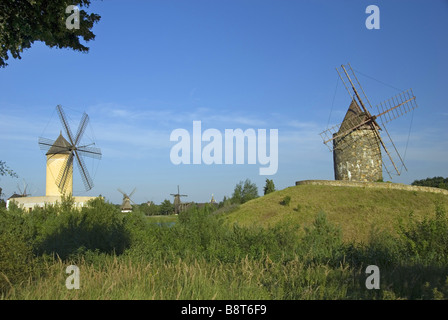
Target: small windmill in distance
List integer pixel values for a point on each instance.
(177, 202)
(23, 192)
(126, 204)
(357, 143)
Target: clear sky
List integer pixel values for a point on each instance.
(156, 66)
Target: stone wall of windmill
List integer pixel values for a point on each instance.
(357, 157)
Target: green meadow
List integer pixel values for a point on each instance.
(304, 242)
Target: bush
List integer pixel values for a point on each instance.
(426, 241)
(269, 186)
(323, 241)
(286, 200)
(98, 226)
(17, 263)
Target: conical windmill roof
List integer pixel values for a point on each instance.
(60, 146)
(354, 117)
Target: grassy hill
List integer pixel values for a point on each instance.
(358, 211)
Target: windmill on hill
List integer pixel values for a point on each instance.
(357, 143)
(177, 203)
(62, 152)
(126, 204)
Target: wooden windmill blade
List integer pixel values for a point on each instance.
(89, 152)
(178, 193)
(85, 176)
(357, 85)
(378, 136)
(133, 191)
(396, 106)
(65, 124)
(45, 144)
(23, 190)
(65, 172)
(81, 128)
(356, 90)
(57, 146)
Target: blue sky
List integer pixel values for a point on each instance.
(156, 66)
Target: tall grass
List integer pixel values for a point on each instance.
(201, 257)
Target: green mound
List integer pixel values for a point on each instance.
(357, 210)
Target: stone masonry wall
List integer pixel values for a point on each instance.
(357, 157)
(383, 185)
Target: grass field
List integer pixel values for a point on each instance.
(162, 219)
(316, 245)
(358, 211)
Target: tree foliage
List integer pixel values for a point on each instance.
(436, 182)
(149, 208)
(166, 207)
(244, 191)
(24, 21)
(4, 170)
(269, 186)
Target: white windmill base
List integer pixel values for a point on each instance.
(29, 203)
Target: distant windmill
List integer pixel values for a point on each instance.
(356, 142)
(23, 191)
(177, 202)
(126, 204)
(61, 154)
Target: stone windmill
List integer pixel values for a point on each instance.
(356, 143)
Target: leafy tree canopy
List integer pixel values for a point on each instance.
(4, 170)
(166, 207)
(24, 21)
(269, 186)
(244, 191)
(436, 182)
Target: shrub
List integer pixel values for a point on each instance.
(97, 226)
(286, 200)
(426, 241)
(17, 262)
(269, 186)
(323, 241)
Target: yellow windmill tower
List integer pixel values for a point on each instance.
(57, 158)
